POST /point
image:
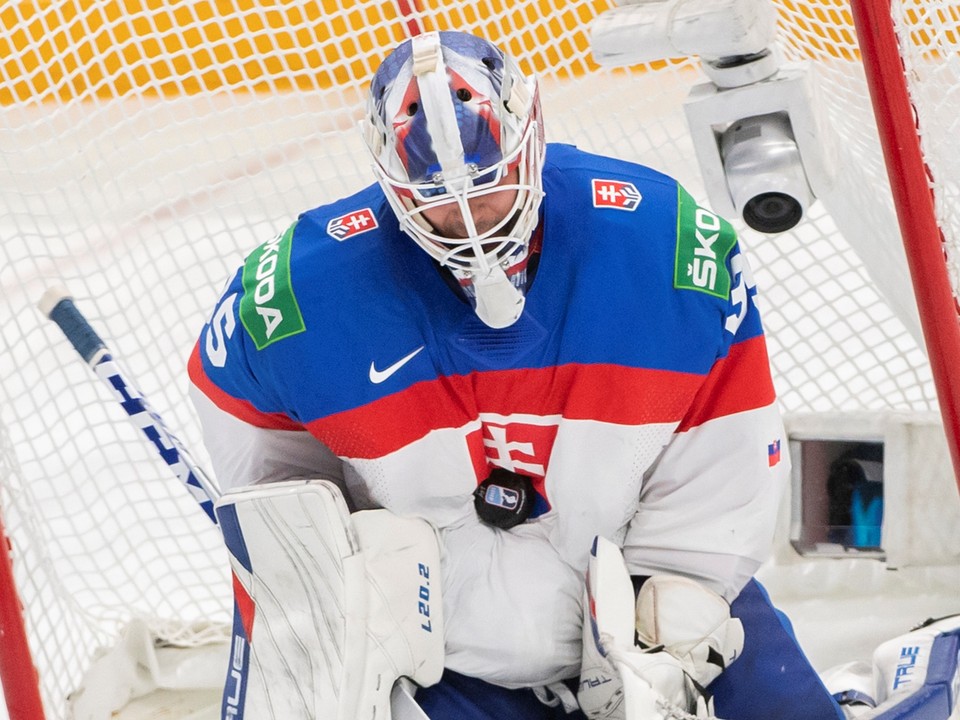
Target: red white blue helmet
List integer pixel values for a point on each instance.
(448, 117)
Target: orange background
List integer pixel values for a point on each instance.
(64, 49)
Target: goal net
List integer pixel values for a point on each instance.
(147, 147)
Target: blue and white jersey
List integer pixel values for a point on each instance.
(635, 390)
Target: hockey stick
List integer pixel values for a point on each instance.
(58, 305)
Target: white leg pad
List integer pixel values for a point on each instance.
(337, 607)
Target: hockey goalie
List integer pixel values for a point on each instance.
(497, 433)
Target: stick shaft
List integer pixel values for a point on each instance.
(60, 308)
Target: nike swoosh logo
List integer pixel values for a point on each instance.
(378, 376)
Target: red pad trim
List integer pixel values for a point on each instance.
(245, 606)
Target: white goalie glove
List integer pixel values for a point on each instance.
(686, 635)
(334, 607)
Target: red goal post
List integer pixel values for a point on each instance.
(21, 686)
(146, 148)
(913, 186)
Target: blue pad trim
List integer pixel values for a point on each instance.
(772, 678)
(460, 697)
(935, 699)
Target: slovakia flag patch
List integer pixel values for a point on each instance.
(353, 223)
(615, 194)
(773, 452)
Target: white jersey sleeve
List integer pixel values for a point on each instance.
(709, 508)
(244, 454)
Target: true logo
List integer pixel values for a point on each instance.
(615, 194)
(906, 666)
(268, 308)
(353, 223)
(235, 687)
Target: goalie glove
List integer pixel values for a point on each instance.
(686, 637)
(691, 623)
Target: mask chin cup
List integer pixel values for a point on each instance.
(498, 302)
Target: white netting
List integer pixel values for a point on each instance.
(930, 32)
(146, 147)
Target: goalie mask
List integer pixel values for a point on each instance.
(454, 127)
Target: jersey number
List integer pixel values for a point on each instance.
(221, 327)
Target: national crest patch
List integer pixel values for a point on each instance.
(773, 453)
(615, 194)
(353, 223)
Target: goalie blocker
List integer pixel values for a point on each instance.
(331, 609)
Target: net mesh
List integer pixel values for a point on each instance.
(931, 32)
(148, 146)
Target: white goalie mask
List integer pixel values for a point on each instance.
(451, 119)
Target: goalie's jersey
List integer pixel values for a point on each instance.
(635, 390)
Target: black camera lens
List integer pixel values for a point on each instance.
(772, 212)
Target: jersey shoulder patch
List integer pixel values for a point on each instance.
(268, 308)
(352, 223)
(607, 184)
(616, 194)
(704, 240)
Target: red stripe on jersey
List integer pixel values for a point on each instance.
(240, 409)
(741, 381)
(577, 392)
